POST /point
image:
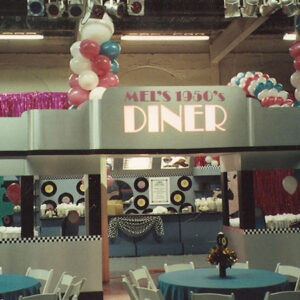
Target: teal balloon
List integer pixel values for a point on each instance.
(114, 67)
(296, 104)
(111, 49)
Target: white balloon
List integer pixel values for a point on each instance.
(295, 79)
(297, 94)
(75, 49)
(97, 93)
(272, 92)
(283, 94)
(290, 184)
(214, 163)
(263, 94)
(208, 159)
(88, 80)
(80, 64)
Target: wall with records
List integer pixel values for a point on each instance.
(153, 184)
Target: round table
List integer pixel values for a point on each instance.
(244, 283)
(12, 286)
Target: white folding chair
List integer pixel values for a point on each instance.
(179, 267)
(44, 276)
(290, 271)
(211, 296)
(129, 288)
(73, 290)
(285, 295)
(240, 265)
(149, 294)
(141, 275)
(47, 296)
(64, 282)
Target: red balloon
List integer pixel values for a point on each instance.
(107, 170)
(297, 63)
(14, 193)
(101, 65)
(89, 48)
(110, 181)
(73, 81)
(109, 80)
(295, 49)
(77, 96)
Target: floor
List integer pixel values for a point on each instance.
(120, 266)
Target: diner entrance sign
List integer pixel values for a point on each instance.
(174, 117)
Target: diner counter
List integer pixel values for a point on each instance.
(246, 284)
(192, 233)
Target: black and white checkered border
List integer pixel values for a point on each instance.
(51, 239)
(58, 177)
(271, 231)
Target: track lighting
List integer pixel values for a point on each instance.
(269, 7)
(75, 8)
(250, 8)
(289, 7)
(55, 8)
(35, 8)
(135, 7)
(232, 8)
(115, 8)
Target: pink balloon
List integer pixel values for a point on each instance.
(297, 63)
(14, 193)
(109, 80)
(101, 65)
(89, 48)
(77, 96)
(110, 181)
(73, 81)
(295, 49)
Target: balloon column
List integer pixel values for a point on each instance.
(93, 64)
(295, 77)
(262, 87)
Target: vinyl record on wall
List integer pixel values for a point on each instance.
(187, 205)
(65, 198)
(148, 211)
(131, 212)
(50, 204)
(48, 188)
(81, 200)
(172, 210)
(177, 197)
(141, 202)
(141, 184)
(7, 220)
(80, 188)
(184, 183)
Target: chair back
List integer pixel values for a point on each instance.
(141, 275)
(178, 267)
(74, 290)
(50, 296)
(42, 275)
(64, 282)
(130, 289)
(290, 271)
(149, 294)
(285, 295)
(211, 296)
(241, 265)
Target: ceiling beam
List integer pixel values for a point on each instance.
(235, 33)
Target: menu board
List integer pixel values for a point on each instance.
(137, 163)
(159, 190)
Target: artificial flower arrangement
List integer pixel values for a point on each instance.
(221, 255)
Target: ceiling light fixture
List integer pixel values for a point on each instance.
(135, 7)
(19, 36)
(165, 38)
(250, 8)
(75, 8)
(289, 7)
(269, 7)
(55, 8)
(232, 8)
(289, 37)
(115, 8)
(35, 8)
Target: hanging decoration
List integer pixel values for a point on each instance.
(295, 77)
(93, 64)
(135, 226)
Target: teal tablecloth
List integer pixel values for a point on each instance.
(12, 286)
(244, 283)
